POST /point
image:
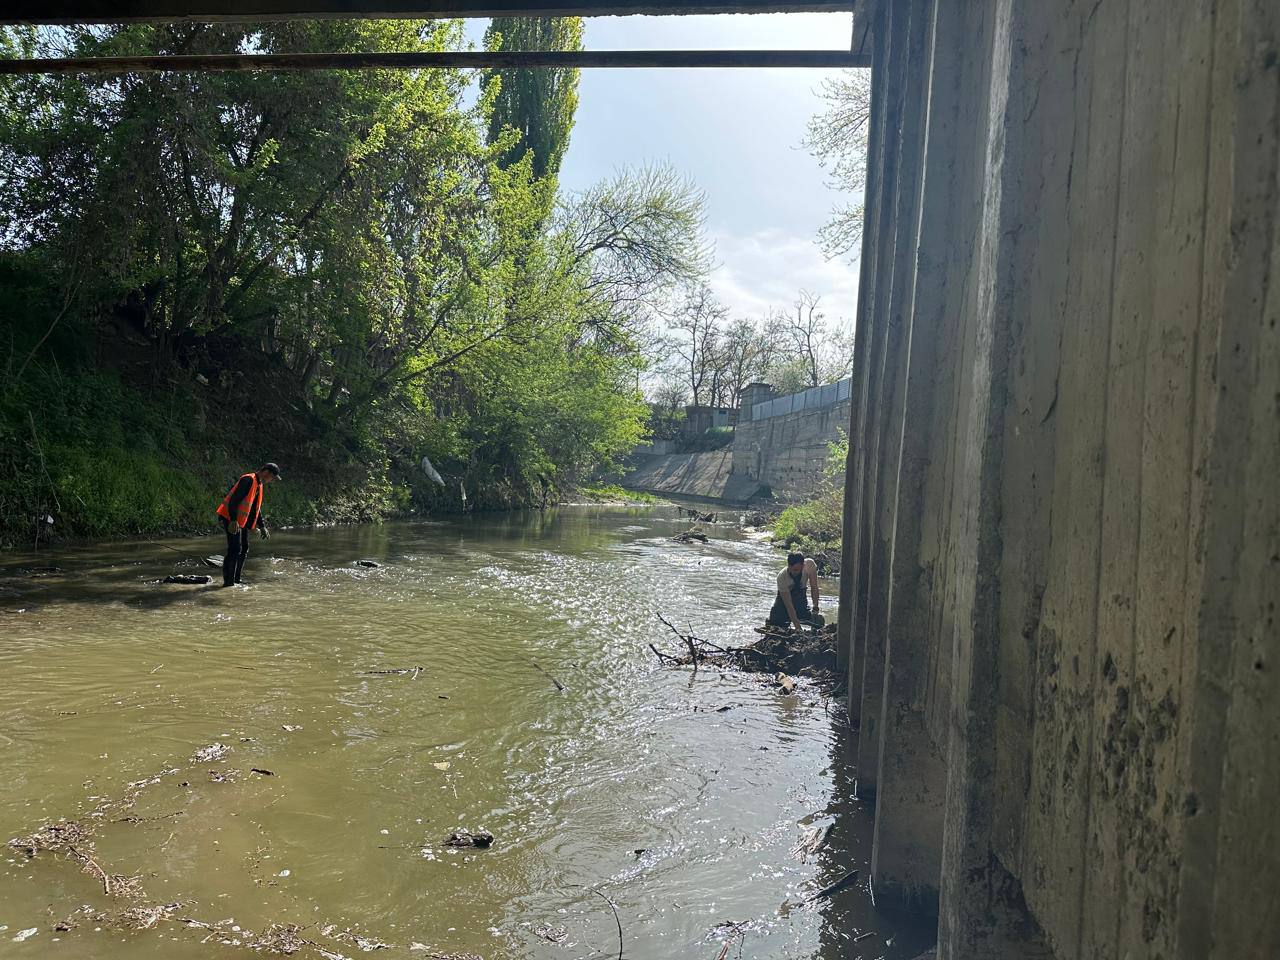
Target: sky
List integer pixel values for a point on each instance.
(737, 133)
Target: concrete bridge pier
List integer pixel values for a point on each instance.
(1062, 525)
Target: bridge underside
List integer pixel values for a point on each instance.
(125, 11)
(1062, 536)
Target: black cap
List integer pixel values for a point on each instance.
(272, 469)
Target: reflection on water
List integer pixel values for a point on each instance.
(634, 781)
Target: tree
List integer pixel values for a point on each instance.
(837, 137)
(747, 354)
(631, 241)
(347, 250)
(808, 331)
(539, 105)
(696, 342)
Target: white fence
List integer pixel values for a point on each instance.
(811, 399)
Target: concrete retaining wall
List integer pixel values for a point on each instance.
(789, 453)
(1064, 525)
(702, 476)
(784, 457)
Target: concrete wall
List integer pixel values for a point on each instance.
(789, 453)
(701, 476)
(784, 456)
(1063, 534)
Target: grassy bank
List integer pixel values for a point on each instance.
(815, 526)
(105, 459)
(612, 493)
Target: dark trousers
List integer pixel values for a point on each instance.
(237, 550)
(779, 617)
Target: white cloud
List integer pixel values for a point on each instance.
(768, 268)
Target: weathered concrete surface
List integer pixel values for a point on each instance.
(1064, 517)
(783, 458)
(789, 453)
(704, 476)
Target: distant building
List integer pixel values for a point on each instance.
(754, 393)
(699, 419)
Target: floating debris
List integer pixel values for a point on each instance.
(281, 938)
(75, 840)
(211, 754)
(366, 944)
(38, 571)
(783, 653)
(144, 917)
(57, 837)
(689, 536)
(481, 839)
(552, 934)
(695, 515)
(395, 671)
(848, 879)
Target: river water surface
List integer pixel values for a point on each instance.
(679, 799)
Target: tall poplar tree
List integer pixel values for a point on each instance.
(537, 104)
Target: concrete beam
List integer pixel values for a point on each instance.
(467, 60)
(127, 11)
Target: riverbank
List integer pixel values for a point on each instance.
(291, 508)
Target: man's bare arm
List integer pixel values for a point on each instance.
(791, 607)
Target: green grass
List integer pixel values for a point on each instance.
(611, 492)
(107, 460)
(813, 526)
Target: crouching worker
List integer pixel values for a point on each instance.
(240, 512)
(791, 605)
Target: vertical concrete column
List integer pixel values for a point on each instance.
(882, 432)
(848, 642)
(1230, 858)
(971, 875)
(873, 328)
(911, 785)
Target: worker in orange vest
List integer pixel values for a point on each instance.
(240, 512)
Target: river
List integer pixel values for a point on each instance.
(677, 799)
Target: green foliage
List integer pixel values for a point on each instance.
(713, 438)
(838, 139)
(814, 525)
(338, 271)
(817, 524)
(837, 456)
(538, 106)
(612, 493)
(665, 421)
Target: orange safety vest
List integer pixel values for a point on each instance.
(245, 507)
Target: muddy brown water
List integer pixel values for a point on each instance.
(633, 782)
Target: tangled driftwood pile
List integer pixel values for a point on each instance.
(689, 536)
(779, 651)
(696, 515)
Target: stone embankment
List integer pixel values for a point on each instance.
(781, 457)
